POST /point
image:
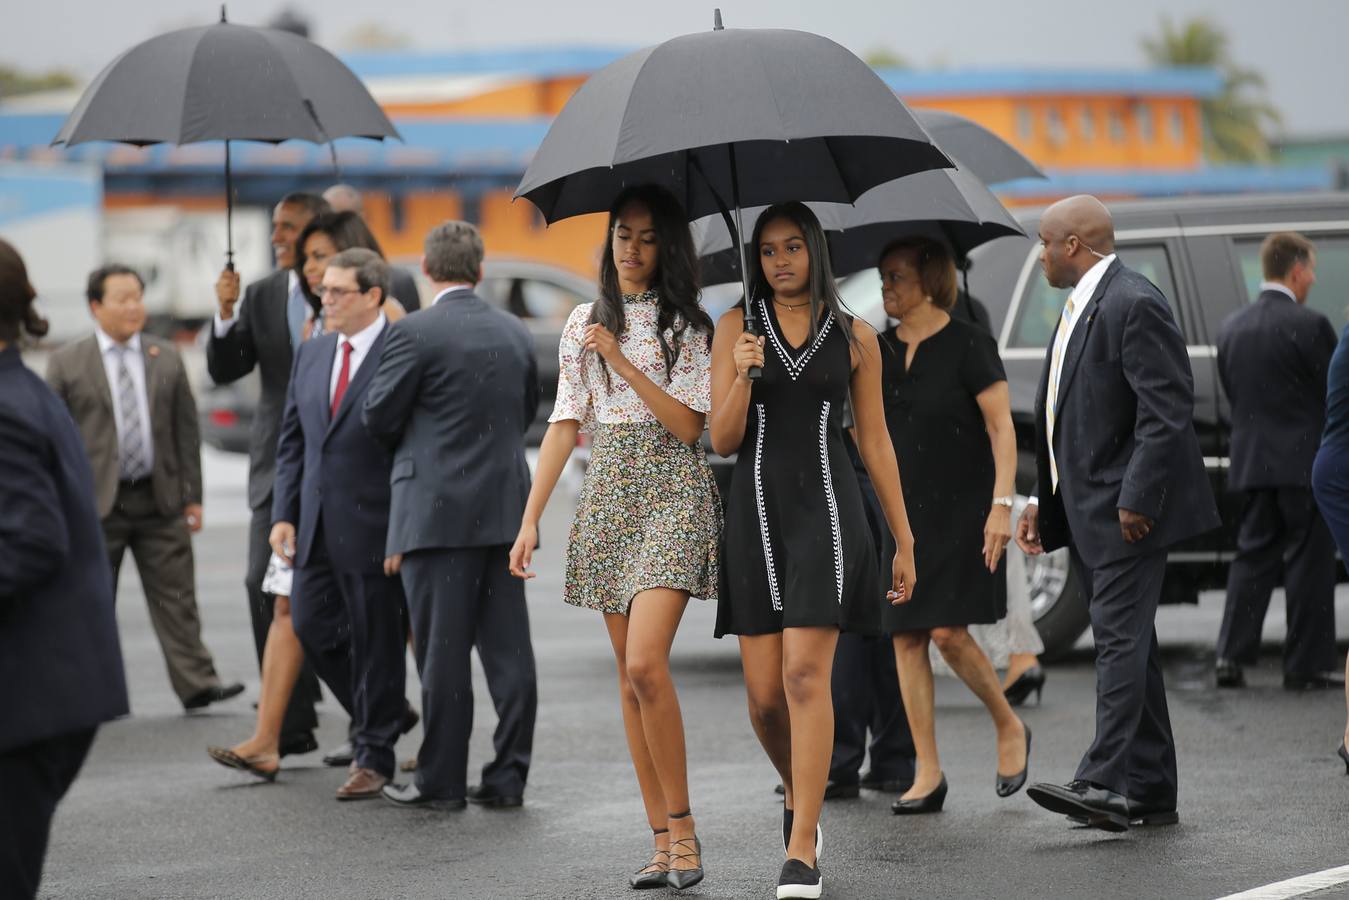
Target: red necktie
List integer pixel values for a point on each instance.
(342, 377)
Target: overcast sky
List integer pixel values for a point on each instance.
(1299, 45)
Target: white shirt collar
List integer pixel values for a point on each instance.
(465, 286)
(1086, 285)
(362, 340)
(1281, 288)
(106, 343)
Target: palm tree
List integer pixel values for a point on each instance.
(1235, 120)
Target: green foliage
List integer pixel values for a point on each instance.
(885, 58)
(14, 82)
(1235, 121)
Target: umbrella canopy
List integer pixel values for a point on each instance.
(949, 205)
(803, 118)
(976, 149)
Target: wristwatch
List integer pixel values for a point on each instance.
(1004, 501)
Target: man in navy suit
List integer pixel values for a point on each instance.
(456, 388)
(331, 517)
(1121, 480)
(60, 661)
(1273, 357)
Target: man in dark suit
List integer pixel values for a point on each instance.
(60, 663)
(1121, 479)
(1273, 357)
(457, 386)
(332, 478)
(262, 333)
(129, 394)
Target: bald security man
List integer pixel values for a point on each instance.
(1121, 479)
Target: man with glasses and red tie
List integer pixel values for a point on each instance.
(330, 510)
(1121, 480)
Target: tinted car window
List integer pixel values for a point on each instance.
(532, 299)
(1330, 294)
(1037, 316)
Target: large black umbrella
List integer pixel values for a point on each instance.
(950, 205)
(225, 82)
(976, 149)
(724, 118)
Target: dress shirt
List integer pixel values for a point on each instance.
(451, 289)
(222, 326)
(361, 342)
(1281, 288)
(135, 364)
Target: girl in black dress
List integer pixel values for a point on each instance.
(949, 416)
(798, 562)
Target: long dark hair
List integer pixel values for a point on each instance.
(823, 291)
(17, 314)
(675, 280)
(346, 230)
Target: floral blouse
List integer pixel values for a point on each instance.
(581, 391)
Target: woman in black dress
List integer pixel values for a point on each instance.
(798, 563)
(947, 408)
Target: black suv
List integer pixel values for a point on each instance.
(1204, 255)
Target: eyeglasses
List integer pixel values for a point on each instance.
(337, 293)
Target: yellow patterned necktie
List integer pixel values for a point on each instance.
(1055, 367)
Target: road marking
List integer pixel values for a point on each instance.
(1295, 887)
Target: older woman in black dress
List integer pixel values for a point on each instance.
(949, 417)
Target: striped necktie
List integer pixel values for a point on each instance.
(131, 441)
(1055, 369)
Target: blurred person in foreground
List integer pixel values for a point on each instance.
(261, 332)
(455, 388)
(1272, 357)
(60, 663)
(1120, 481)
(128, 392)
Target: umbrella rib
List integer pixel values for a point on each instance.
(627, 105)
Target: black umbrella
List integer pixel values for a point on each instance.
(225, 82)
(949, 205)
(976, 149)
(726, 117)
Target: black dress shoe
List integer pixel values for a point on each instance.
(213, 694)
(1099, 807)
(886, 785)
(1229, 674)
(298, 744)
(1033, 679)
(486, 795)
(1142, 815)
(1006, 787)
(341, 755)
(1344, 755)
(932, 803)
(1315, 682)
(410, 796)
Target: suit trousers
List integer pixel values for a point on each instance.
(458, 599)
(33, 779)
(1134, 753)
(162, 548)
(354, 633)
(866, 696)
(1282, 536)
(300, 720)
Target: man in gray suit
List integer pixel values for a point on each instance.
(456, 387)
(128, 393)
(262, 332)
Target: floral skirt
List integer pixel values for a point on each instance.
(649, 516)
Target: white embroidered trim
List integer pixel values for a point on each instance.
(795, 366)
(763, 515)
(829, 497)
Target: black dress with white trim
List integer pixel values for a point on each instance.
(796, 549)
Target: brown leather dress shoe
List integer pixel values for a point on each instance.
(362, 784)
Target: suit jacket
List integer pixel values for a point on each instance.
(60, 661)
(1272, 358)
(329, 471)
(260, 337)
(1124, 433)
(403, 288)
(77, 374)
(457, 386)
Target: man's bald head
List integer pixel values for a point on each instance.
(1075, 233)
(344, 198)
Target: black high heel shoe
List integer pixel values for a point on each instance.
(1344, 755)
(1006, 787)
(653, 874)
(930, 804)
(1033, 679)
(685, 848)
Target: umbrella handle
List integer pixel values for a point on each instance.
(736, 227)
(229, 205)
